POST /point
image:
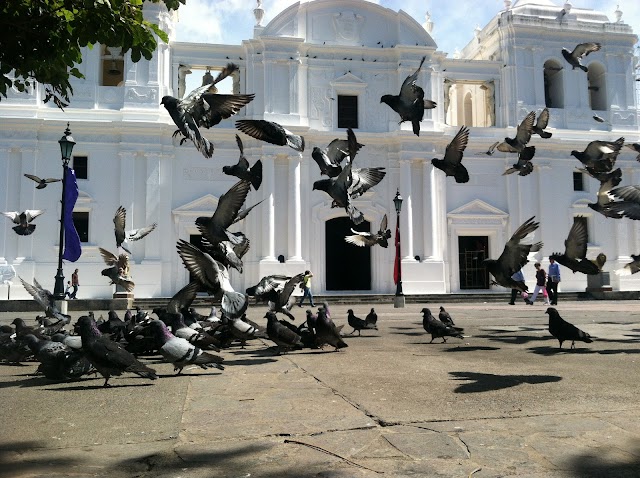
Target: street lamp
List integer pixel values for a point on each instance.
(66, 147)
(399, 299)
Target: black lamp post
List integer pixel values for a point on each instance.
(397, 202)
(66, 147)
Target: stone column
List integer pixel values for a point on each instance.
(27, 196)
(406, 222)
(295, 210)
(127, 180)
(268, 225)
(155, 202)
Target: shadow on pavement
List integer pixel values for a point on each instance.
(597, 466)
(580, 349)
(471, 348)
(485, 382)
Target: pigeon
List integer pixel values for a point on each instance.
(630, 268)
(114, 327)
(635, 147)
(51, 326)
(108, 357)
(514, 257)
(196, 337)
(329, 159)
(541, 124)
(608, 181)
(22, 329)
(42, 183)
(123, 236)
(118, 272)
(524, 166)
(452, 162)
(213, 276)
(327, 332)
(523, 136)
(214, 228)
(243, 329)
(23, 220)
(581, 50)
(357, 323)
(183, 299)
(180, 352)
(203, 108)
(600, 156)
(283, 301)
(284, 338)
(628, 201)
(561, 15)
(57, 361)
(599, 119)
(372, 317)
(46, 300)
(491, 150)
(437, 329)
(563, 330)
(410, 103)
(367, 239)
(268, 288)
(271, 132)
(363, 179)
(241, 170)
(13, 351)
(574, 256)
(445, 318)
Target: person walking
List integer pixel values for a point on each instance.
(75, 283)
(518, 277)
(553, 280)
(67, 290)
(306, 287)
(541, 280)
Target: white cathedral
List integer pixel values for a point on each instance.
(317, 68)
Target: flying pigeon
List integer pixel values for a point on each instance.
(608, 181)
(23, 220)
(108, 357)
(46, 300)
(437, 329)
(514, 256)
(628, 201)
(599, 119)
(600, 156)
(630, 268)
(283, 301)
(363, 179)
(357, 323)
(329, 159)
(583, 49)
(635, 147)
(241, 170)
(42, 183)
(452, 162)
(410, 103)
(204, 108)
(367, 239)
(541, 124)
(524, 166)
(574, 256)
(523, 136)
(180, 352)
(563, 330)
(271, 133)
(491, 150)
(269, 288)
(122, 236)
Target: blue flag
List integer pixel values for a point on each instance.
(72, 247)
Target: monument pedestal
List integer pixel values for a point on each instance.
(122, 294)
(63, 306)
(398, 302)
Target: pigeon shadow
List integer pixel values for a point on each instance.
(100, 387)
(256, 361)
(598, 465)
(471, 348)
(187, 373)
(30, 466)
(349, 336)
(580, 349)
(402, 328)
(485, 382)
(514, 339)
(410, 334)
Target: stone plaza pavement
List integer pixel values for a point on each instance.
(505, 401)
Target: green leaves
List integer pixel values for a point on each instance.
(42, 39)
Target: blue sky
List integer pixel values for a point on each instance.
(231, 21)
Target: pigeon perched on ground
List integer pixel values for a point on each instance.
(284, 338)
(367, 239)
(514, 257)
(452, 162)
(608, 181)
(196, 337)
(445, 318)
(563, 330)
(574, 256)
(600, 156)
(541, 124)
(108, 357)
(46, 300)
(57, 361)
(329, 159)
(522, 138)
(327, 332)
(22, 330)
(635, 147)
(242, 170)
(271, 132)
(410, 103)
(123, 236)
(357, 323)
(491, 150)
(372, 317)
(13, 351)
(437, 329)
(630, 268)
(180, 352)
(524, 166)
(42, 183)
(23, 220)
(204, 108)
(580, 51)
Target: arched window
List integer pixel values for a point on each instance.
(112, 63)
(468, 110)
(597, 87)
(553, 85)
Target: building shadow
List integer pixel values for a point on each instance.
(485, 382)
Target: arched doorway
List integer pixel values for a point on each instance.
(348, 267)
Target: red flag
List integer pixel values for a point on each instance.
(396, 265)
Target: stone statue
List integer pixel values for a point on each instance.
(447, 97)
(490, 95)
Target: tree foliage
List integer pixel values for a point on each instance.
(41, 40)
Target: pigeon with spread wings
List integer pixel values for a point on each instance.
(410, 103)
(271, 132)
(122, 236)
(46, 300)
(575, 253)
(452, 162)
(329, 159)
(367, 239)
(524, 166)
(580, 51)
(23, 220)
(514, 256)
(541, 124)
(241, 170)
(608, 181)
(600, 156)
(42, 183)
(522, 138)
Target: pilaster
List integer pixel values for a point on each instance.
(406, 224)
(295, 210)
(268, 225)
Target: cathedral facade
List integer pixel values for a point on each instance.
(318, 68)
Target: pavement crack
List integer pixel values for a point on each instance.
(462, 444)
